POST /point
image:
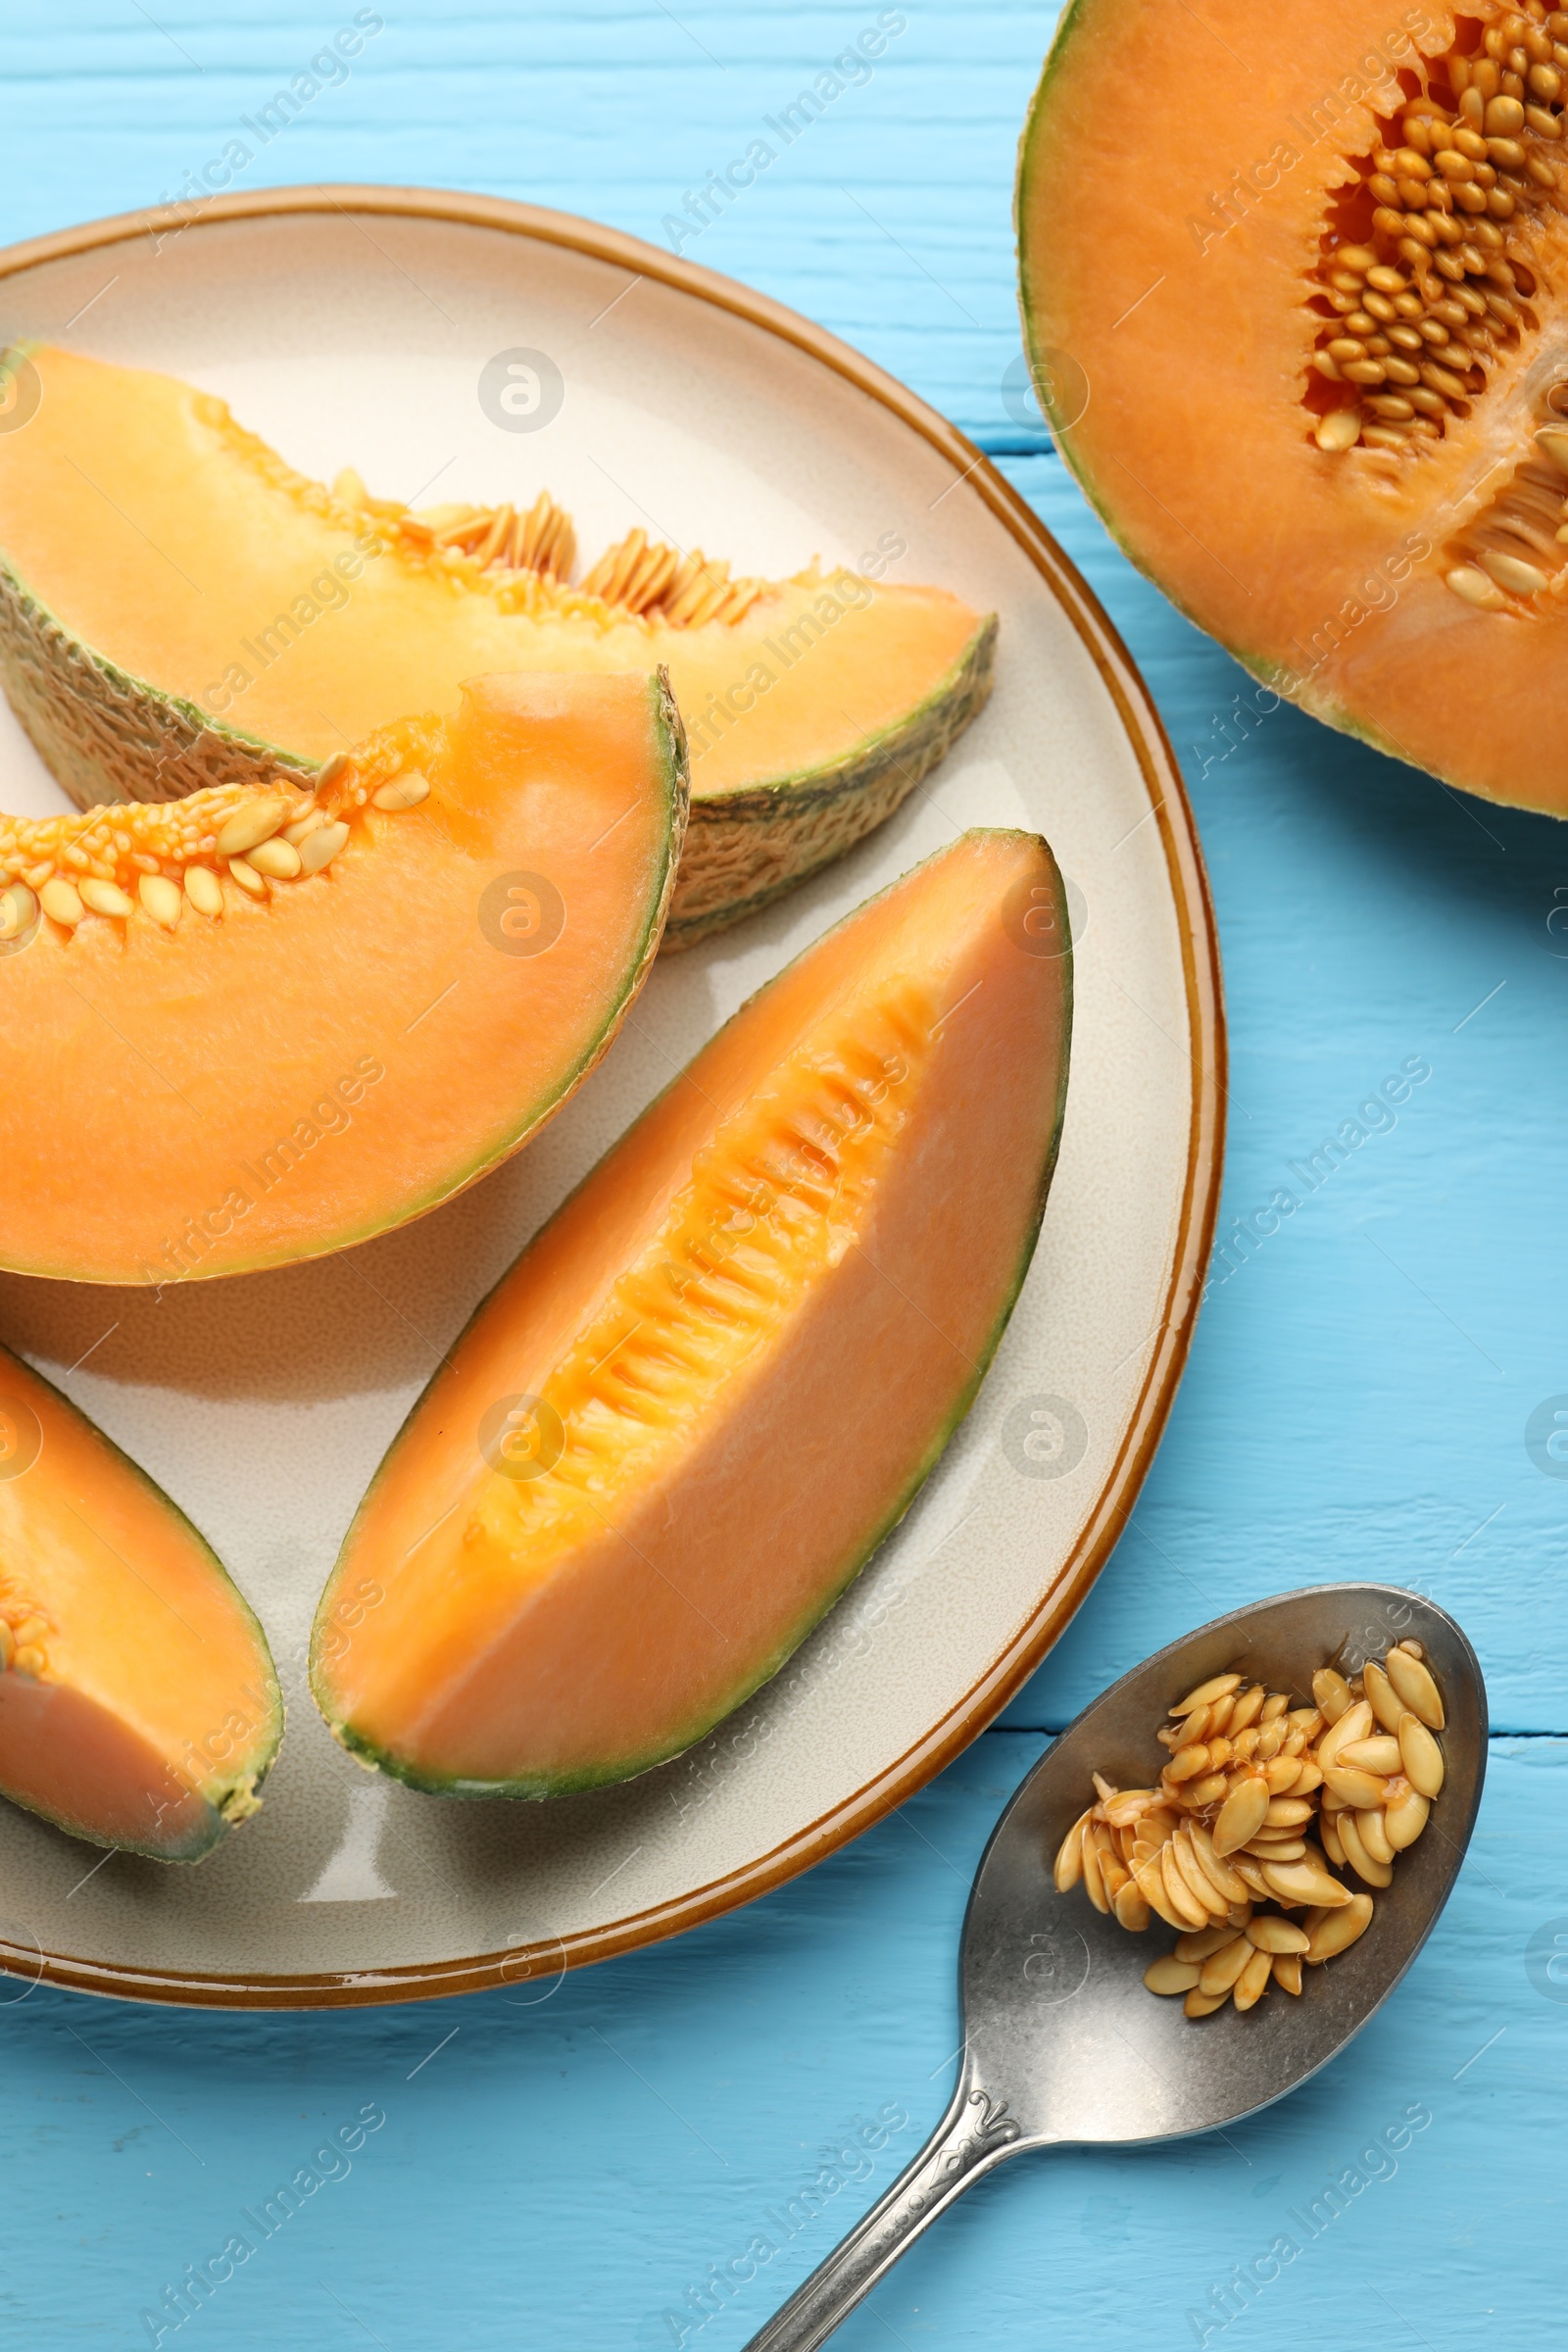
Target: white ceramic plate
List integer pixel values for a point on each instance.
(353, 326)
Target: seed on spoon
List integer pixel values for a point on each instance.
(1336, 1931)
(1277, 1935)
(1404, 1816)
(1380, 1696)
(1220, 1686)
(1170, 1975)
(1415, 1685)
(1420, 1756)
(1254, 1980)
(1248, 1780)
(1380, 1755)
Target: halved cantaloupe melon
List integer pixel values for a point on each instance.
(256, 1025)
(138, 1703)
(178, 607)
(685, 1419)
(1295, 299)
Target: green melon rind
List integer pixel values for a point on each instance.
(229, 1795)
(107, 735)
(569, 1784)
(793, 825)
(672, 761)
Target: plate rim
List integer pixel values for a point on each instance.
(1193, 908)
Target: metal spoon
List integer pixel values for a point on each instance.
(1063, 2044)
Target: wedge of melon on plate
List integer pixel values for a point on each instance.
(261, 1023)
(138, 1702)
(717, 1377)
(178, 607)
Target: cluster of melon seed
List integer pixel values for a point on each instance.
(1226, 1832)
(155, 860)
(636, 577)
(1424, 309)
(22, 1636)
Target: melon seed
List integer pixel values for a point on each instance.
(406, 791)
(1379, 1694)
(1254, 1980)
(1374, 1834)
(1420, 1755)
(1379, 1754)
(249, 827)
(1509, 572)
(1170, 1975)
(1304, 1882)
(162, 899)
(275, 857)
(1405, 1818)
(1413, 1683)
(1339, 431)
(105, 897)
(320, 849)
(203, 890)
(1275, 1936)
(1241, 1816)
(28, 1659)
(1475, 588)
(247, 877)
(1337, 1929)
(18, 908)
(61, 903)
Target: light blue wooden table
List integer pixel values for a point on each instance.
(654, 2155)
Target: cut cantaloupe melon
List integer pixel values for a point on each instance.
(138, 1703)
(1348, 299)
(685, 1419)
(179, 607)
(255, 1026)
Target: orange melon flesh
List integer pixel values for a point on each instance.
(349, 1048)
(138, 1704)
(158, 532)
(1185, 186)
(728, 1362)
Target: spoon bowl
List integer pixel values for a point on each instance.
(1064, 2043)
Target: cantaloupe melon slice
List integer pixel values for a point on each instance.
(1306, 352)
(254, 1025)
(178, 607)
(717, 1377)
(138, 1704)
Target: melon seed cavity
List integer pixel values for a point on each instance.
(1224, 1849)
(526, 561)
(1432, 281)
(151, 862)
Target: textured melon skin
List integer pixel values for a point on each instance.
(760, 1668)
(105, 735)
(744, 849)
(109, 734)
(230, 1794)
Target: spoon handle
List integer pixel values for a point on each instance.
(975, 2134)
